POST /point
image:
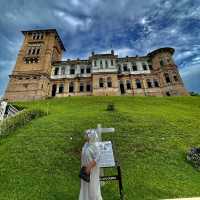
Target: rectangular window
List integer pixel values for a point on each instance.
(144, 66)
(134, 67)
(72, 70)
(109, 84)
(62, 70)
(56, 71)
(71, 88)
(150, 67)
(149, 84)
(112, 63)
(167, 79)
(88, 88)
(128, 84)
(125, 68)
(81, 87)
(101, 82)
(88, 70)
(106, 63)
(82, 70)
(101, 64)
(61, 88)
(138, 84)
(156, 84)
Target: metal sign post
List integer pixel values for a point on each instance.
(108, 150)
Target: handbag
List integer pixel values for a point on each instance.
(83, 175)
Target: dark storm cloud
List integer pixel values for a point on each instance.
(131, 27)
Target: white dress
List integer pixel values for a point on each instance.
(91, 190)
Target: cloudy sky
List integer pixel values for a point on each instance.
(131, 27)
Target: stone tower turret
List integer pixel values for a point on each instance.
(165, 68)
(30, 78)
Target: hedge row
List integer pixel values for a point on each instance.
(20, 119)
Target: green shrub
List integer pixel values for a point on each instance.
(110, 107)
(194, 94)
(20, 119)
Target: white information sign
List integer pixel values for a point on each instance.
(107, 156)
(3, 105)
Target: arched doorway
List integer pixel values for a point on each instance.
(54, 88)
(122, 89)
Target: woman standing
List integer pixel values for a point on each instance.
(89, 159)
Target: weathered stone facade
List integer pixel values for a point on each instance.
(39, 72)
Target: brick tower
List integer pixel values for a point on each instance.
(166, 70)
(30, 78)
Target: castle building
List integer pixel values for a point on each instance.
(39, 72)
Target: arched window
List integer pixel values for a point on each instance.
(29, 51)
(161, 63)
(71, 87)
(109, 82)
(61, 88)
(63, 70)
(167, 79)
(34, 36)
(33, 52)
(128, 85)
(149, 84)
(156, 84)
(81, 87)
(101, 82)
(138, 83)
(38, 51)
(175, 78)
(36, 60)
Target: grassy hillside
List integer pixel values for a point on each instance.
(40, 161)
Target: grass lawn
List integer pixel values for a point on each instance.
(41, 162)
